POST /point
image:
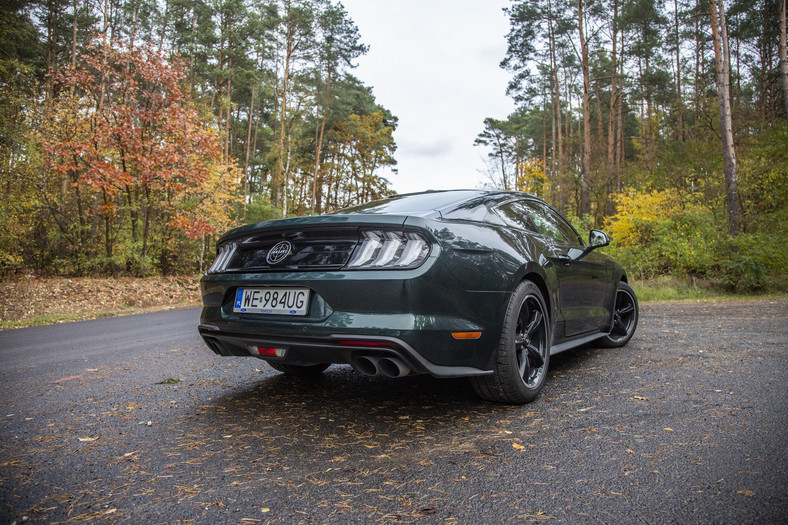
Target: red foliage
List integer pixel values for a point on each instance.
(124, 124)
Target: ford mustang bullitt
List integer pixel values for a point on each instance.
(483, 284)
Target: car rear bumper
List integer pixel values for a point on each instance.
(356, 351)
(413, 316)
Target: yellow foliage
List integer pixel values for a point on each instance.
(207, 209)
(639, 214)
(531, 176)
(665, 232)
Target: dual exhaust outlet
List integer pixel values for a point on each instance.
(385, 366)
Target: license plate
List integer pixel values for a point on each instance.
(275, 301)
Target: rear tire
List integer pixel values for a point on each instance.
(523, 352)
(625, 318)
(299, 370)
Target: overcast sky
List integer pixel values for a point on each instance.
(434, 64)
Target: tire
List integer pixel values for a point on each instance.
(299, 370)
(625, 318)
(523, 353)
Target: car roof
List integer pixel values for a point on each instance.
(428, 202)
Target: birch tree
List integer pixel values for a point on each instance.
(723, 69)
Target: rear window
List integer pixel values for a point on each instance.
(415, 203)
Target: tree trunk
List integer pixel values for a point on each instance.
(501, 155)
(133, 32)
(229, 109)
(220, 83)
(191, 48)
(600, 123)
(642, 125)
(611, 125)
(254, 143)
(697, 95)
(146, 219)
(278, 167)
(585, 201)
(620, 121)
(544, 143)
(248, 148)
(649, 144)
(557, 136)
(765, 66)
(553, 135)
(164, 24)
(319, 142)
(679, 98)
(784, 55)
(51, 55)
(74, 39)
(722, 65)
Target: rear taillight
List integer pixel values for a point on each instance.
(223, 257)
(389, 250)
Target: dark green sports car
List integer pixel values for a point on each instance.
(476, 283)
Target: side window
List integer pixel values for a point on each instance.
(544, 224)
(556, 226)
(536, 217)
(517, 215)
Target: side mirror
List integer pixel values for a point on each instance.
(597, 239)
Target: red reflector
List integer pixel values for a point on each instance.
(268, 351)
(374, 344)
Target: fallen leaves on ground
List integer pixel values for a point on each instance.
(31, 297)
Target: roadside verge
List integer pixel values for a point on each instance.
(32, 300)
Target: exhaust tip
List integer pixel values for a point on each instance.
(391, 367)
(367, 365)
(216, 346)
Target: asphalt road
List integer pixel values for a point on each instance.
(133, 420)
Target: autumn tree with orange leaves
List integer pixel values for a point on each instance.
(127, 158)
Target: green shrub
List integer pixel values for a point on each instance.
(743, 267)
(658, 233)
(10, 263)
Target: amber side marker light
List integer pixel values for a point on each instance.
(466, 335)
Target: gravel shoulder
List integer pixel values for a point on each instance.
(687, 424)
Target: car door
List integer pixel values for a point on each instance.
(584, 282)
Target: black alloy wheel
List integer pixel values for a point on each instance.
(523, 353)
(625, 318)
(529, 342)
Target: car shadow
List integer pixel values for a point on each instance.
(342, 392)
(341, 396)
(277, 422)
(341, 412)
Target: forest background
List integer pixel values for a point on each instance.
(134, 132)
